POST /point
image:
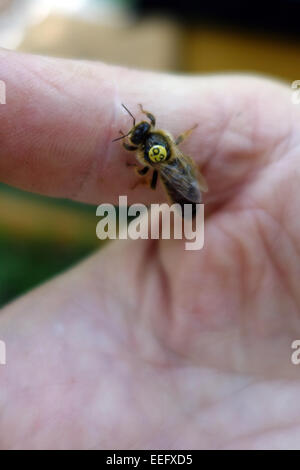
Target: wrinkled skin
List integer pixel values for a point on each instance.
(144, 344)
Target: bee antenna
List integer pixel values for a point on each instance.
(130, 114)
(122, 137)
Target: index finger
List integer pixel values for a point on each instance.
(60, 118)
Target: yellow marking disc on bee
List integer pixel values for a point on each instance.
(157, 153)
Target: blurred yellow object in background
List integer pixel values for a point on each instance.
(230, 50)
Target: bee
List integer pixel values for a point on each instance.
(157, 150)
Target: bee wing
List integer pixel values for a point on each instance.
(181, 173)
(182, 178)
(202, 182)
(197, 174)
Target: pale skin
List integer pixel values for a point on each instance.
(146, 345)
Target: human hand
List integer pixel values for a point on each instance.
(144, 344)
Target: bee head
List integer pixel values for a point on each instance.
(139, 132)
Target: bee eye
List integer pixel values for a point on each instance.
(157, 153)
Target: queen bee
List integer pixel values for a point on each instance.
(157, 150)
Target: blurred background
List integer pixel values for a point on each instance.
(40, 236)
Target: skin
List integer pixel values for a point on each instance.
(144, 344)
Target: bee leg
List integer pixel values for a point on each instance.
(184, 135)
(129, 147)
(154, 179)
(143, 171)
(140, 171)
(201, 180)
(149, 115)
